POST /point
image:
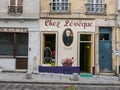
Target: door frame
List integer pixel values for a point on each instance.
(92, 49)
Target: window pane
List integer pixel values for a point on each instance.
(53, 1)
(58, 1)
(54, 4)
(22, 44)
(66, 1)
(90, 7)
(12, 2)
(85, 37)
(53, 8)
(62, 4)
(99, 1)
(6, 43)
(62, 1)
(104, 37)
(62, 8)
(58, 8)
(20, 2)
(66, 8)
(91, 1)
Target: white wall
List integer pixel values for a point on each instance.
(8, 64)
(33, 53)
(104, 22)
(118, 4)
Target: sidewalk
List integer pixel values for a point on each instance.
(52, 78)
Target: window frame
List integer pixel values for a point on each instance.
(58, 6)
(95, 6)
(43, 33)
(14, 51)
(15, 7)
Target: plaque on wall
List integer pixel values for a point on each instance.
(20, 30)
(67, 37)
(47, 55)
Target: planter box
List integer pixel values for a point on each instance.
(60, 69)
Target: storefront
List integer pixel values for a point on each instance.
(70, 39)
(17, 51)
(14, 44)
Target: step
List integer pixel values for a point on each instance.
(107, 74)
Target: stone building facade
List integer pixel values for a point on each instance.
(19, 29)
(39, 36)
(95, 34)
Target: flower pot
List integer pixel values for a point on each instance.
(53, 64)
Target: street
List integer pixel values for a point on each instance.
(31, 86)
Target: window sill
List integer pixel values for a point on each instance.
(52, 13)
(6, 56)
(14, 14)
(21, 56)
(93, 13)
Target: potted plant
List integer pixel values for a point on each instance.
(67, 61)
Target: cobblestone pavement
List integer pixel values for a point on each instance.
(52, 81)
(32, 86)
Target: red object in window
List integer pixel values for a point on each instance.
(53, 53)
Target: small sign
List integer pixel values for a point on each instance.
(22, 30)
(117, 53)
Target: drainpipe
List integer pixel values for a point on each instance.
(116, 18)
(117, 34)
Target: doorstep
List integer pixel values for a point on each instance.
(107, 74)
(16, 71)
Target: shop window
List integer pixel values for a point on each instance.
(104, 37)
(49, 52)
(6, 44)
(13, 44)
(85, 37)
(22, 44)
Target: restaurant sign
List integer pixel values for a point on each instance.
(69, 23)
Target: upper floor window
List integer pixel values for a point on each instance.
(59, 6)
(16, 6)
(95, 7)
